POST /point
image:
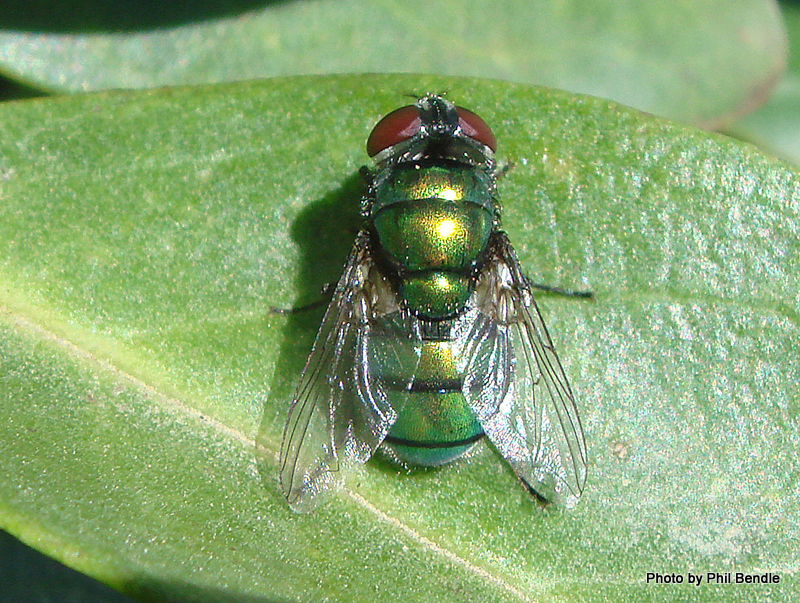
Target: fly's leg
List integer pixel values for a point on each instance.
(540, 500)
(562, 291)
(502, 169)
(327, 294)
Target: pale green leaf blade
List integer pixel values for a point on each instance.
(144, 237)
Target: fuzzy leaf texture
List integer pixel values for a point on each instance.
(144, 237)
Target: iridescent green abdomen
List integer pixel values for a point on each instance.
(433, 225)
(435, 425)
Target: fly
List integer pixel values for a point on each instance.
(432, 339)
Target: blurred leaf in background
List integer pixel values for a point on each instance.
(775, 127)
(696, 62)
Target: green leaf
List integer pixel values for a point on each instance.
(145, 236)
(697, 62)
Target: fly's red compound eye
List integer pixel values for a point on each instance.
(405, 122)
(399, 125)
(477, 129)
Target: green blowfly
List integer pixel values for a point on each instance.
(432, 338)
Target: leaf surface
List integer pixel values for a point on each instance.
(144, 237)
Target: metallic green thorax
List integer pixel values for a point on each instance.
(433, 224)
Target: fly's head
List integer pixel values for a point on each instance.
(432, 129)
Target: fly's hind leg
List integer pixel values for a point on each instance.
(326, 293)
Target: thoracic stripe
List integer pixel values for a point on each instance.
(432, 225)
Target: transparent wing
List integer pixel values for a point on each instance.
(516, 385)
(340, 411)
